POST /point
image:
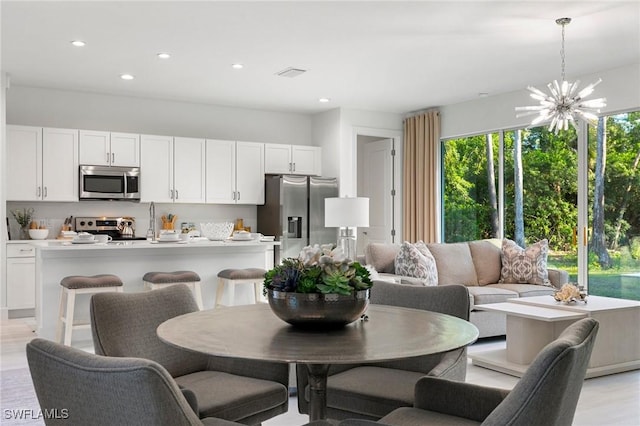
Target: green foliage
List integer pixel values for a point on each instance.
(634, 248)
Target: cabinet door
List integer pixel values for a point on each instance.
(249, 173)
(306, 160)
(125, 149)
(60, 165)
(277, 158)
(95, 148)
(221, 172)
(189, 170)
(24, 153)
(21, 283)
(156, 168)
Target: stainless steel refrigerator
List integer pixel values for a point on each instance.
(294, 212)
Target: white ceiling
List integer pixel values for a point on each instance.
(390, 56)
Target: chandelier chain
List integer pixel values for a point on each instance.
(562, 52)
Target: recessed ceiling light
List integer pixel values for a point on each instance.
(324, 100)
(78, 43)
(237, 66)
(126, 76)
(483, 94)
(164, 55)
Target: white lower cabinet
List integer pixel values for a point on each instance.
(21, 276)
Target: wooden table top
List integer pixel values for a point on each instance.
(254, 332)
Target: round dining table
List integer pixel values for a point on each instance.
(254, 332)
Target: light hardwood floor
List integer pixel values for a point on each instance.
(608, 400)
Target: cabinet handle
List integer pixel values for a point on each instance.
(233, 195)
(38, 192)
(290, 167)
(27, 250)
(171, 194)
(177, 195)
(113, 158)
(45, 192)
(108, 157)
(294, 167)
(238, 195)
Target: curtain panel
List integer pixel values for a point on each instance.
(421, 139)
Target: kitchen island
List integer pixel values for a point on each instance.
(130, 260)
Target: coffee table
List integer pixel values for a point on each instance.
(533, 322)
(254, 332)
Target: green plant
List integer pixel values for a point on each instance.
(23, 217)
(318, 269)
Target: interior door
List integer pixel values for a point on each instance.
(376, 183)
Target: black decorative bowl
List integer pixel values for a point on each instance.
(314, 310)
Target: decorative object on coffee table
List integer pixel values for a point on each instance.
(570, 293)
(321, 288)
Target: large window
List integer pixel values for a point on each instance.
(523, 185)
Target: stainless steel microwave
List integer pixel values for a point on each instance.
(109, 183)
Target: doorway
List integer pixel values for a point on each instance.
(378, 179)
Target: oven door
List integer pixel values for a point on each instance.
(109, 183)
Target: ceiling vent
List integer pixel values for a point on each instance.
(291, 72)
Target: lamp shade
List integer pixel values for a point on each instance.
(346, 212)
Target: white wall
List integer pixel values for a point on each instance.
(325, 132)
(91, 111)
(621, 87)
(3, 212)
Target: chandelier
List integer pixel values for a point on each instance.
(565, 101)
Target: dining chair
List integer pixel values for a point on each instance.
(245, 391)
(372, 390)
(546, 395)
(79, 388)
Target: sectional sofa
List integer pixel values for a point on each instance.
(476, 264)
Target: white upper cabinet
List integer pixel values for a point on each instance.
(44, 164)
(189, 170)
(156, 168)
(235, 172)
(172, 169)
(109, 149)
(292, 159)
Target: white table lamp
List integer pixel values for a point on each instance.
(346, 213)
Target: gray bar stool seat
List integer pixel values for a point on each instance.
(156, 280)
(231, 277)
(80, 284)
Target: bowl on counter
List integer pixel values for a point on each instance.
(216, 231)
(38, 234)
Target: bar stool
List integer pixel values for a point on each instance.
(232, 277)
(156, 280)
(79, 284)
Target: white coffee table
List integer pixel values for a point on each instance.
(532, 322)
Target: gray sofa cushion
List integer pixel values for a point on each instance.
(490, 294)
(486, 260)
(525, 290)
(382, 256)
(454, 263)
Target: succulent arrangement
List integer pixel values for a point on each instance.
(318, 269)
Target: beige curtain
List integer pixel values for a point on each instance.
(421, 139)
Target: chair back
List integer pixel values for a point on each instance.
(548, 392)
(124, 325)
(76, 387)
(446, 299)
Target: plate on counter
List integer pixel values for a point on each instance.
(83, 241)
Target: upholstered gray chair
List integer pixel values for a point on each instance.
(244, 391)
(546, 395)
(370, 391)
(78, 388)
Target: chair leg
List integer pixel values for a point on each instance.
(197, 292)
(60, 316)
(68, 324)
(232, 293)
(220, 291)
(257, 287)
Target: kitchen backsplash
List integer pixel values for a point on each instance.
(54, 214)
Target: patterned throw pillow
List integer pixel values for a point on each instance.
(525, 266)
(411, 262)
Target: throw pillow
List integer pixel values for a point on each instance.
(454, 263)
(486, 259)
(412, 263)
(525, 266)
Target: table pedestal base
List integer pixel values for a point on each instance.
(318, 390)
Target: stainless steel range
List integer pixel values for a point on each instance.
(119, 228)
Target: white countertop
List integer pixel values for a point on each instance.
(66, 245)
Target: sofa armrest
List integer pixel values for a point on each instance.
(558, 277)
(459, 399)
